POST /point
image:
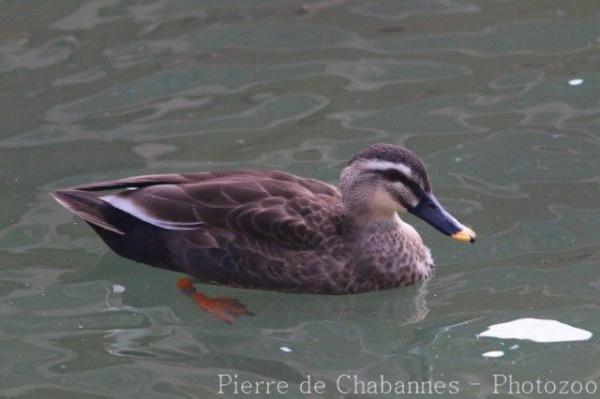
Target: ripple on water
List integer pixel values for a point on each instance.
(372, 74)
(521, 37)
(396, 10)
(252, 36)
(437, 115)
(268, 114)
(19, 54)
(190, 80)
(577, 159)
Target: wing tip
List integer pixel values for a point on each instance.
(85, 206)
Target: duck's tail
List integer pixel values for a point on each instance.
(87, 205)
(123, 233)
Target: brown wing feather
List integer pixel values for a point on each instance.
(272, 206)
(172, 178)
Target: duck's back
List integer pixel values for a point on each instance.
(256, 229)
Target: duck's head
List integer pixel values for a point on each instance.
(386, 179)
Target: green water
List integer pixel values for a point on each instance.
(500, 98)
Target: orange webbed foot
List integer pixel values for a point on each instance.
(226, 309)
(185, 283)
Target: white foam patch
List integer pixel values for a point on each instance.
(118, 289)
(493, 354)
(575, 82)
(537, 330)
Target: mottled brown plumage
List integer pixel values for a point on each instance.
(271, 229)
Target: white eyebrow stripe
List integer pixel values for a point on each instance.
(384, 165)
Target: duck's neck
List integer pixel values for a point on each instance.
(361, 224)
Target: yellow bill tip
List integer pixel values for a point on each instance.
(465, 235)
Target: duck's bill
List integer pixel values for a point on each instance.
(431, 211)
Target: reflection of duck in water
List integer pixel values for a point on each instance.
(273, 230)
(368, 320)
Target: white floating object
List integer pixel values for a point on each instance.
(285, 349)
(493, 354)
(575, 82)
(118, 289)
(537, 330)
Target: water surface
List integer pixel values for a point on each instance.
(500, 98)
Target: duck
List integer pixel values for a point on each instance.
(272, 230)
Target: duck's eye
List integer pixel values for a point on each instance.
(395, 175)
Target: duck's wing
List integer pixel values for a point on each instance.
(181, 178)
(275, 206)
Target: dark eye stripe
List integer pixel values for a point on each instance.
(396, 176)
(400, 200)
(393, 174)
